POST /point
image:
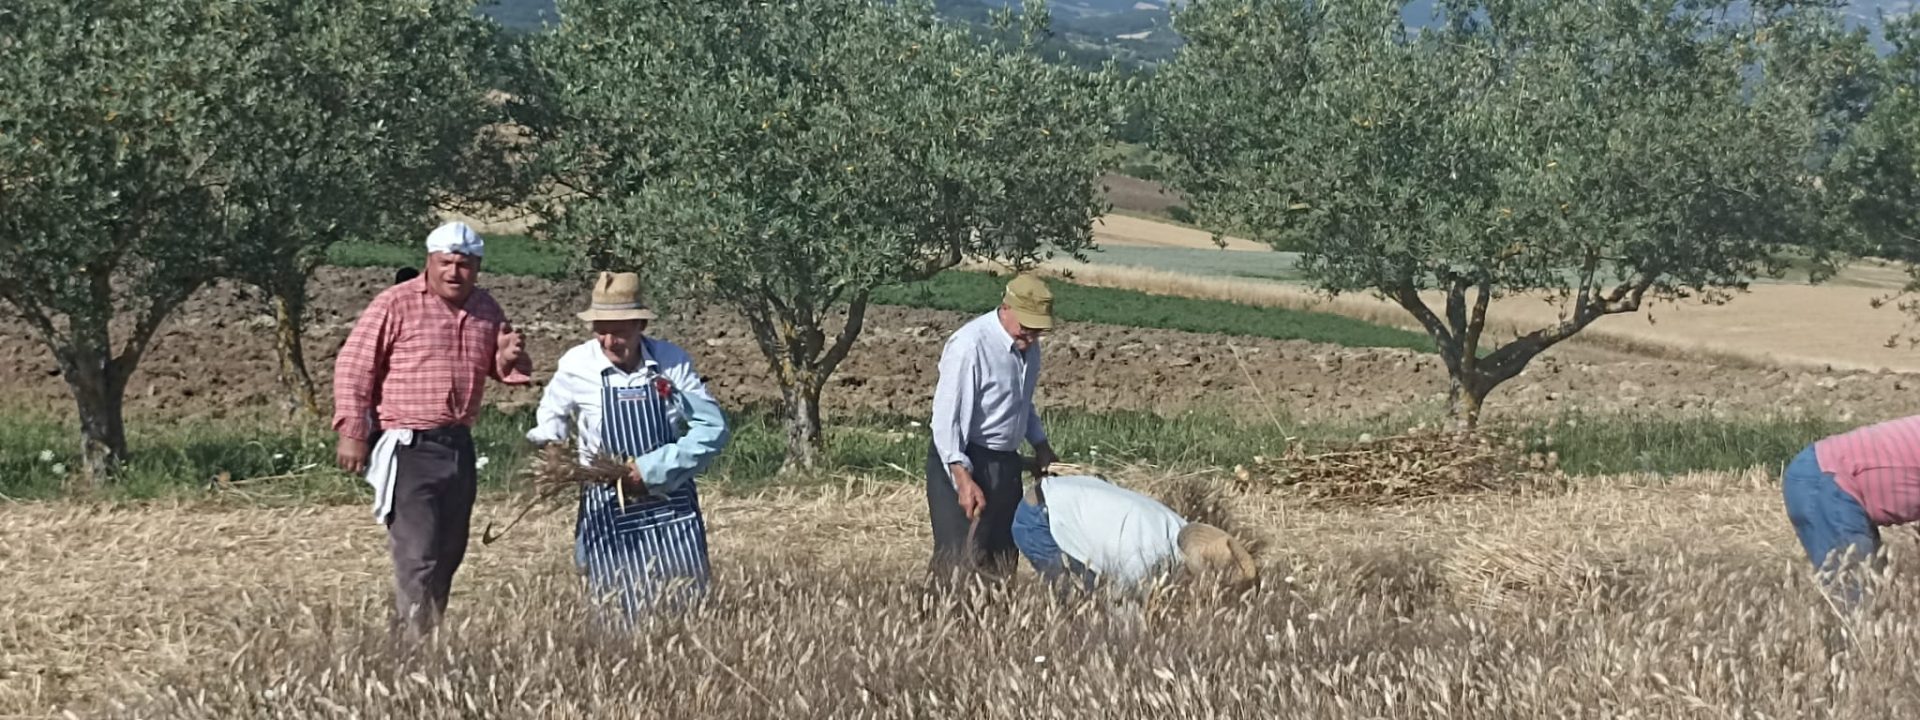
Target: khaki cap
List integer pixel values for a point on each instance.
(616, 296)
(1031, 301)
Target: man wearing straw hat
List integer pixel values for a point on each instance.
(982, 412)
(1082, 530)
(638, 399)
(407, 387)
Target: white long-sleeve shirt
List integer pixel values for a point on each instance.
(1122, 535)
(985, 393)
(573, 398)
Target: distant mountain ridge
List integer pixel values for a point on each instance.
(1134, 33)
(1088, 32)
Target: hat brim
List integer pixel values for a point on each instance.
(617, 315)
(1032, 320)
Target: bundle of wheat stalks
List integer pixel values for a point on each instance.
(555, 471)
(1397, 469)
(556, 466)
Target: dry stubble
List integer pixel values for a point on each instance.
(1661, 598)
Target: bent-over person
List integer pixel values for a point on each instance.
(982, 412)
(638, 399)
(407, 387)
(1080, 530)
(1840, 490)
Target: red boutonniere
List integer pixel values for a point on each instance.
(664, 388)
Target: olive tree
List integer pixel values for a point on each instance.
(114, 122)
(1604, 153)
(787, 157)
(374, 116)
(1877, 172)
(147, 148)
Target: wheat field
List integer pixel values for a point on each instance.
(1615, 597)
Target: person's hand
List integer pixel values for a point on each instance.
(968, 492)
(352, 454)
(634, 480)
(512, 349)
(1043, 459)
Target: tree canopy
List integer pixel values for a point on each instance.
(147, 148)
(374, 116)
(788, 157)
(114, 121)
(1603, 153)
(1877, 170)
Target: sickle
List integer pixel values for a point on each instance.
(487, 537)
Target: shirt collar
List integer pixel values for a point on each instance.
(648, 362)
(1000, 332)
(418, 285)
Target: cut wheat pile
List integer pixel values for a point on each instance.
(1402, 468)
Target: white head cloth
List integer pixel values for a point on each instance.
(455, 237)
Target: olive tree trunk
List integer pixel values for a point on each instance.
(96, 374)
(795, 346)
(289, 315)
(99, 387)
(1457, 334)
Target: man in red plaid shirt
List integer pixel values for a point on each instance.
(406, 389)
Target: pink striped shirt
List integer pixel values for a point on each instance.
(1879, 465)
(418, 362)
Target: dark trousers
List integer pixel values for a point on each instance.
(433, 489)
(998, 475)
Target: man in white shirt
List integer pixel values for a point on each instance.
(982, 412)
(638, 399)
(575, 395)
(1082, 529)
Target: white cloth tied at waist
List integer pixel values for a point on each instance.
(381, 468)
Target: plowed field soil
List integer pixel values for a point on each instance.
(215, 358)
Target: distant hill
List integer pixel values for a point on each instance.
(1137, 34)
(521, 14)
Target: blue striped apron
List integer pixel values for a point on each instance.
(654, 552)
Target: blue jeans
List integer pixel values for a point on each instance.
(1833, 528)
(1033, 534)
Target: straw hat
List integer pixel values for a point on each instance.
(1207, 550)
(616, 296)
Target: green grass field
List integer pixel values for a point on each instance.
(289, 464)
(969, 291)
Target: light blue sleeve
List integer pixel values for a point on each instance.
(1036, 431)
(670, 465)
(956, 400)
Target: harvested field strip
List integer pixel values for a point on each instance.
(1114, 306)
(1214, 262)
(1772, 325)
(279, 465)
